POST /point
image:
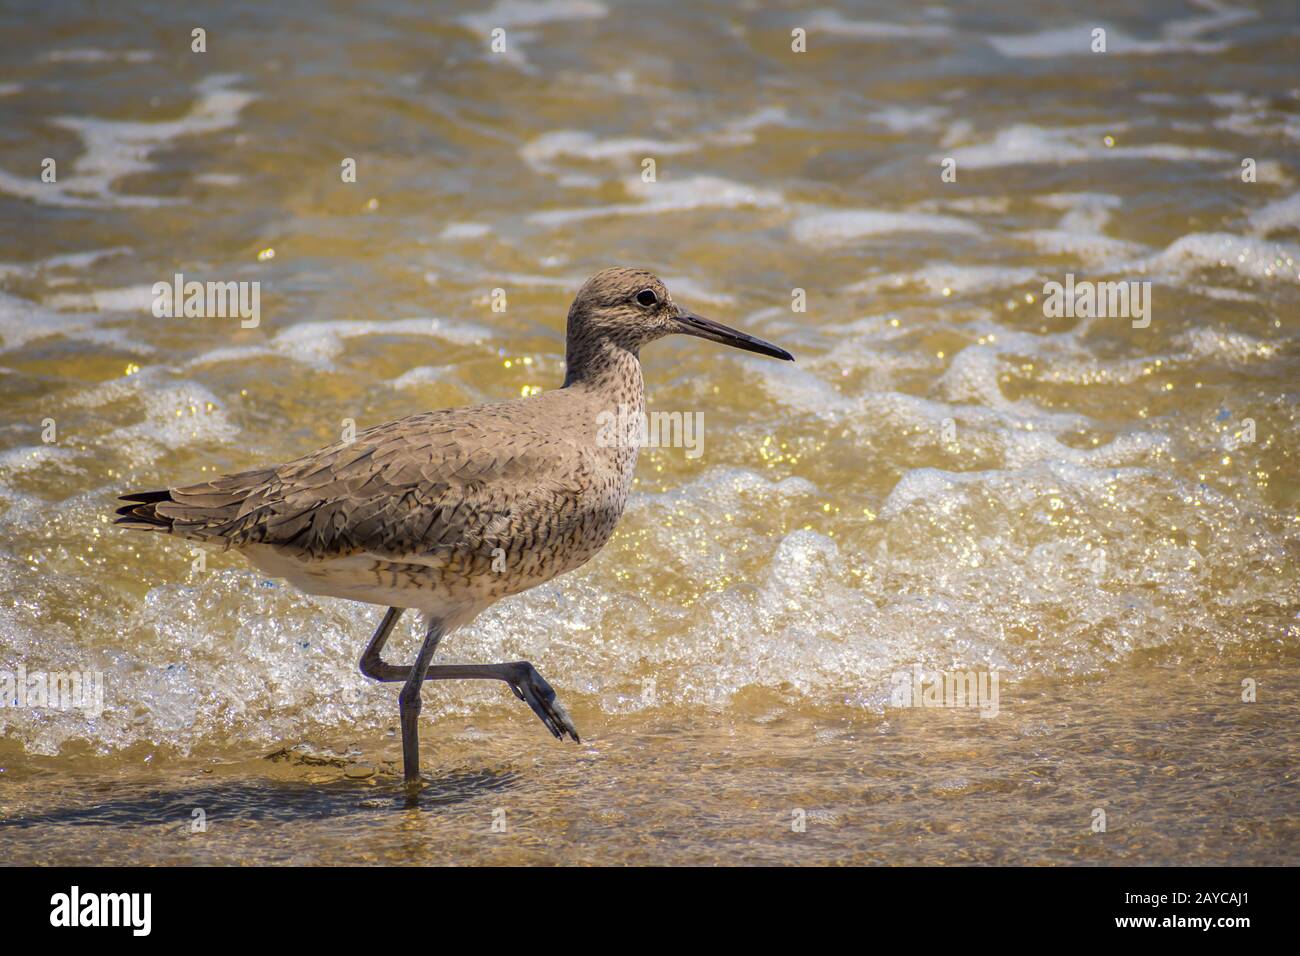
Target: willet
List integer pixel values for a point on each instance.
(446, 512)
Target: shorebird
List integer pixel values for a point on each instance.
(447, 512)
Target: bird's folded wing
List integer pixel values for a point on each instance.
(410, 487)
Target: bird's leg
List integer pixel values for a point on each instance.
(372, 665)
(528, 685)
(408, 703)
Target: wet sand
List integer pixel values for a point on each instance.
(1183, 771)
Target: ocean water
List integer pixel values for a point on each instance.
(1100, 510)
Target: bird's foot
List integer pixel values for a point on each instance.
(411, 789)
(532, 688)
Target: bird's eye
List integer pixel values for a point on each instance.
(647, 298)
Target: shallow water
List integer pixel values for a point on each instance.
(1103, 515)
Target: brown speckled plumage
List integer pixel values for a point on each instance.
(448, 511)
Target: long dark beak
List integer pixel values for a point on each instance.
(691, 324)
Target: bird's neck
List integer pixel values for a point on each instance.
(604, 379)
(603, 366)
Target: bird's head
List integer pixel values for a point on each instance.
(628, 308)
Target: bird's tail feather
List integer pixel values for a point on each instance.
(206, 511)
(142, 511)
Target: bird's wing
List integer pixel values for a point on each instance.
(419, 485)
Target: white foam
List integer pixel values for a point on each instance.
(955, 278)
(545, 152)
(1258, 124)
(542, 151)
(22, 321)
(1221, 15)
(1015, 488)
(794, 386)
(1176, 36)
(1092, 249)
(678, 195)
(1256, 117)
(907, 119)
(1021, 449)
(740, 130)
(1077, 41)
(1262, 122)
(509, 14)
(845, 225)
(177, 414)
(835, 24)
(82, 260)
(991, 427)
(319, 343)
(1235, 348)
(1247, 256)
(718, 488)
(95, 55)
(974, 205)
(686, 289)
(218, 179)
(1281, 214)
(422, 375)
(1222, 294)
(1025, 143)
(529, 279)
(17, 461)
(1082, 210)
(114, 149)
(134, 298)
(1079, 232)
(457, 231)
